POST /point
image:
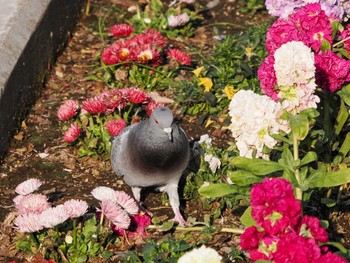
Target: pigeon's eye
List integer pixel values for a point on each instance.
(155, 121)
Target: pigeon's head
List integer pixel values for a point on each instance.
(162, 118)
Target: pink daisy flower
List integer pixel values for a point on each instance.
(115, 214)
(28, 186)
(126, 202)
(94, 105)
(32, 204)
(75, 208)
(122, 30)
(67, 110)
(28, 223)
(103, 193)
(53, 216)
(135, 96)
(151, 105)
(72, 133)
(179, 56)
(114, 127)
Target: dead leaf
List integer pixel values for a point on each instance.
(19, 136)
(160, 99)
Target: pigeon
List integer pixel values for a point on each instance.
(153, 153)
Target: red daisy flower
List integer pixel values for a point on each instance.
(122, 30)
(179, 56)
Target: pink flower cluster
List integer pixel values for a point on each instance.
(142, 48)
(282, 234)
(122, 211)
(105, 103)
(310, 25)
(36, 213)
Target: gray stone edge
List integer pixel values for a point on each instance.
(28, 75)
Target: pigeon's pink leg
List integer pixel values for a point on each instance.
(175, 203)
(136, 191)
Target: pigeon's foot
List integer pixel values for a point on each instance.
(145, 210)
(179, 218)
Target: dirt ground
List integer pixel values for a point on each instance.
(37, 150)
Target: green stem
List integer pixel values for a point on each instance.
(74, 233)
(199, 228)
(327, 127)
(298, 192)
(35, 239)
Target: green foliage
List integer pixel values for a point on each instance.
(232, 66)
(76, 243)
(155, 15)
(168, 251)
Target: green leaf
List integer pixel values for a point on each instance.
(341, 118)
(345, 148)
(287, 159)
(217, 190)
(331, 179)
(344, 94)
(308, 158)
(338, 246)
(328, 202)
(247, 218)
(256, 166)
(107, 254)
(166, 226)
(243, 178)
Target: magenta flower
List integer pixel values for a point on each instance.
(75, 208)
(122, 30)
(53, 216)
(127, 202)
(330, 257)
(94, 105)
(32, 204)
(138, 226)
(67, 110)
(271, 190)
(115, 214)
(331, 71)
(310, 227)
(267, 77)
(72, 133)
(283, 209)
(313, 25)
(345, 35)
(28, 186)
(114, 127)
(253, 241)
(103, 193)
(28, 223)
(294, 248)
(281, 32)
(179, 56)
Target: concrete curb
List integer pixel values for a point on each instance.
(32, 34)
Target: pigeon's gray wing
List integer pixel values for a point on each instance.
(118, 145)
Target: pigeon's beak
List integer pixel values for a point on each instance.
(168, 131)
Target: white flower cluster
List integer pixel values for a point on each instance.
(201, 255)
(295, 73)
(253, 119)
(180, 20)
